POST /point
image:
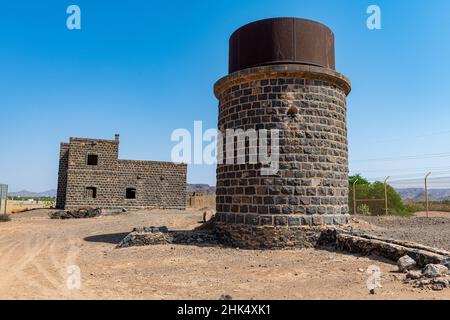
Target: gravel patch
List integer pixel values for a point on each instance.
(433, 231)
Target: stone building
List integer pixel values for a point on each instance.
(282, 76)
(91, 174)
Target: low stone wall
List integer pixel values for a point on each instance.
(388, 248)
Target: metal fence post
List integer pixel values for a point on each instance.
(385, 195)
(426, 192)
(354, 196)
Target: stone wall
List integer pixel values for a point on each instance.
(156, 184)
(308, 106)
(62, 175)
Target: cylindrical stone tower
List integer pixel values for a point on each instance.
(282, 78)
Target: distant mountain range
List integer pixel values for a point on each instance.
(418, 194)
(407, 194)
(25, 193)
(204, 188)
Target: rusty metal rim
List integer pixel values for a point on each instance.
(272, 63)
(282, 70)
(297, 40)
(281, 18)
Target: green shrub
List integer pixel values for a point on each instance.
(364, 209)
(374, 194)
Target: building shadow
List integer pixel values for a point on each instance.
(178, 237)
(111, 238)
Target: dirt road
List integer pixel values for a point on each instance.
(35, 253)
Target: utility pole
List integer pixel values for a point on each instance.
(385, 195)
(6, 200)
(426, 192)
(354, 196)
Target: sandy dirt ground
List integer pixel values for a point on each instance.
(35, 253)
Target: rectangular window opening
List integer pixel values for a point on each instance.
(91, 193)
(131, 193)
(92, 159)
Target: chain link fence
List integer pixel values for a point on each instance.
(432, 196)
(367, 199)
(401, 195)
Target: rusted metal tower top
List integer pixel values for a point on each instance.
(281, 41)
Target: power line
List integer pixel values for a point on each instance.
(412, 157)
(410, 137)
(403, 169)
(414, 180)
(418, 175)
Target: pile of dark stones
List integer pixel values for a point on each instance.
(433, 276)
(84, 213)
(145, 236)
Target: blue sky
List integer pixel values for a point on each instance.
(145, 68)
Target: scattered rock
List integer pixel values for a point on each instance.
(414, 274)
(446, 262)
(434, 270)
(405, 263)
(81, 213)
(397, 276)
(113, 212)
(442, 281)
(58, 215)
(433, 276)
(151, 229)
(437, 287)
(420, 283)
(225, 297)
